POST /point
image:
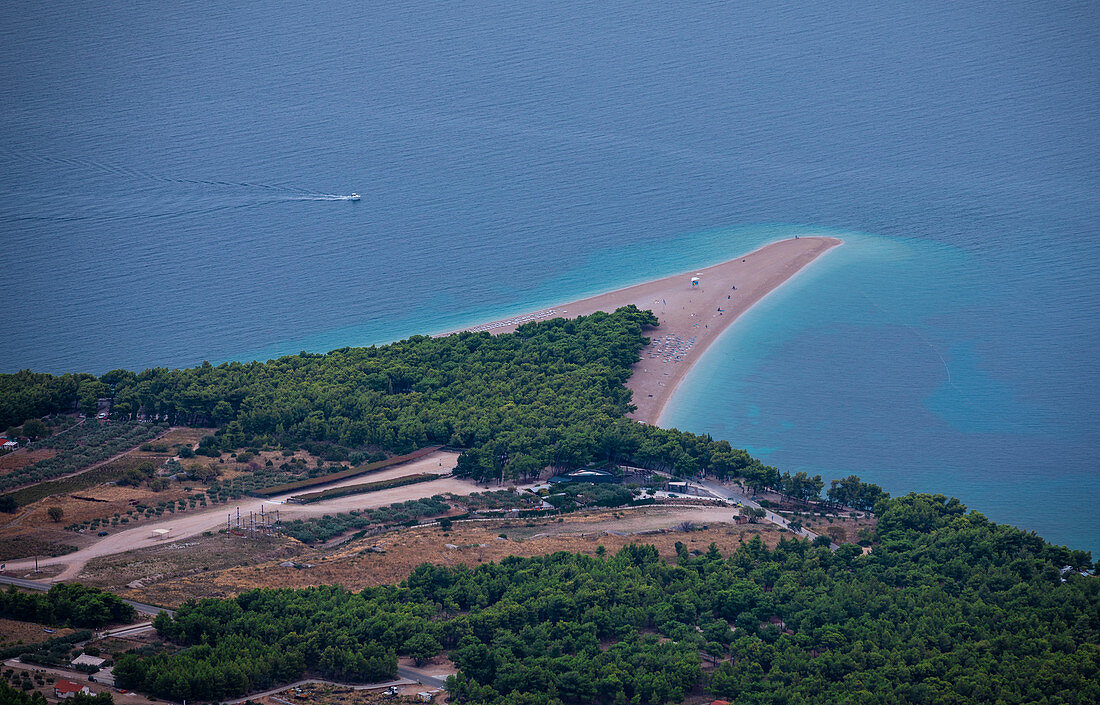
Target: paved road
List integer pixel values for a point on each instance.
(41, 586)
(736, 497)
(418, 676)
(24, 583)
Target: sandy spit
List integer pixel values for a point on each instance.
(691, 315)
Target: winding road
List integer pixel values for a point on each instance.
(213, 519)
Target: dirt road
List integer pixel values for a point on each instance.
(440, 462)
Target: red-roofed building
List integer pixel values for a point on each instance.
(68, 689)
(720, 702)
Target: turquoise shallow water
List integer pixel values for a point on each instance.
(905, 361)
(884, 358)
(170, 179)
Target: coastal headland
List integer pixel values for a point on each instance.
(693, 309)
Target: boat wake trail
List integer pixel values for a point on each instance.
(130, 193)
(127, 172)
(325, 197)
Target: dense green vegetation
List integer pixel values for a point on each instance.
(265, 637)
(852, 492)
(575, 495)
(23, 696)
(27, 395)
(453, 389)
(948, 608)
(67, 604)
(551, 393)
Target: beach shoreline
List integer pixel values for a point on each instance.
(692, 314)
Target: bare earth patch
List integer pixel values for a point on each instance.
(13, 632)
(152, 572)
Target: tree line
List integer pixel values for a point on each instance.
(551, 394)
(949, 607)
(69, 604)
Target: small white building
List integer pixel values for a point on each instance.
(86, 660)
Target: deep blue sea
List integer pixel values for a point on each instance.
(171, 178)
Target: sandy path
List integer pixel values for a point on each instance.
(691, 317)
(441, 462)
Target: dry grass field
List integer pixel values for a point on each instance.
(22, 458)
(220, 566)
(185, 434)
(13, 633)
(153, 571)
